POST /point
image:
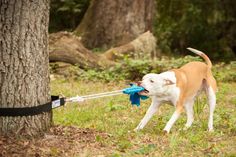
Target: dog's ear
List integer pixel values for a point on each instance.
(168, 82)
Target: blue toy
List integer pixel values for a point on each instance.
(134, 96)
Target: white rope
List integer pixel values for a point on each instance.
(99, 96)
(93, 96)
(105, 93)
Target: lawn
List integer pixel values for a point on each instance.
(116, 118)
(104, 126)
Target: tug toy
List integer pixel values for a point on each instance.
(133, 94)
(131, 91)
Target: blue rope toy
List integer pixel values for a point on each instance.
(134, 96)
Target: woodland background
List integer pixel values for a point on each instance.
(206, 25)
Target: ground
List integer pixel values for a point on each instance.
(59, 141)
(104, 127)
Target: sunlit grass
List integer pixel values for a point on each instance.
(115, 116)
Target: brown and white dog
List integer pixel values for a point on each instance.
(180, 87)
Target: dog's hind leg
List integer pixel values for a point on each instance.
(189, 111)
(150, 112)
(212, 103)
(211, 88)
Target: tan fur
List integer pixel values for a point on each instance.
(190, 79)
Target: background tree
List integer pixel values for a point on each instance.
(106, 24)
(113, 23)
(24, 74)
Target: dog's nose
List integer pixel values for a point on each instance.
(139, 83)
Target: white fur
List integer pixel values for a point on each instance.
(160, 92)
(169, 75)
(172, 120)
(150, 112)
(158, 88)
(212, 103)
(195, 51)
(189, 111)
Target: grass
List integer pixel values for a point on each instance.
(115, 116)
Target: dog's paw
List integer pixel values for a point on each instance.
(166, 132)
(186, 128)
(136, 129)
(211, 130)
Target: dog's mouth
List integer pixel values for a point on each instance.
(145, 92)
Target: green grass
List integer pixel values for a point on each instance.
(115, 116)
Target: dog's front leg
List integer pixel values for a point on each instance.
(174, 117)
(150, 112)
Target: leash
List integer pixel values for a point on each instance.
(56, 101)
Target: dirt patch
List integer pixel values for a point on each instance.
(59, 141)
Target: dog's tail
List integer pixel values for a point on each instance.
(203, 55)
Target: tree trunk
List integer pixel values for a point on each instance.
(66, 47)
(24, 67)
(144, 46)
(115, 22)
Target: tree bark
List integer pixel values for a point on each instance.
(115, 22)
(24, 67)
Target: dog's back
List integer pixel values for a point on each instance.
(195, 73)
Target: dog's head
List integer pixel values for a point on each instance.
(155, 84)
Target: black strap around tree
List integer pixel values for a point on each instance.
(30, 111)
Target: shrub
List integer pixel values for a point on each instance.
(135, 69)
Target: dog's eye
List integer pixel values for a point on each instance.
(151, 81)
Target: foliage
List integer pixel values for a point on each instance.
(134, 69)
(225, 72)
(66, 14)
(206, 25)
